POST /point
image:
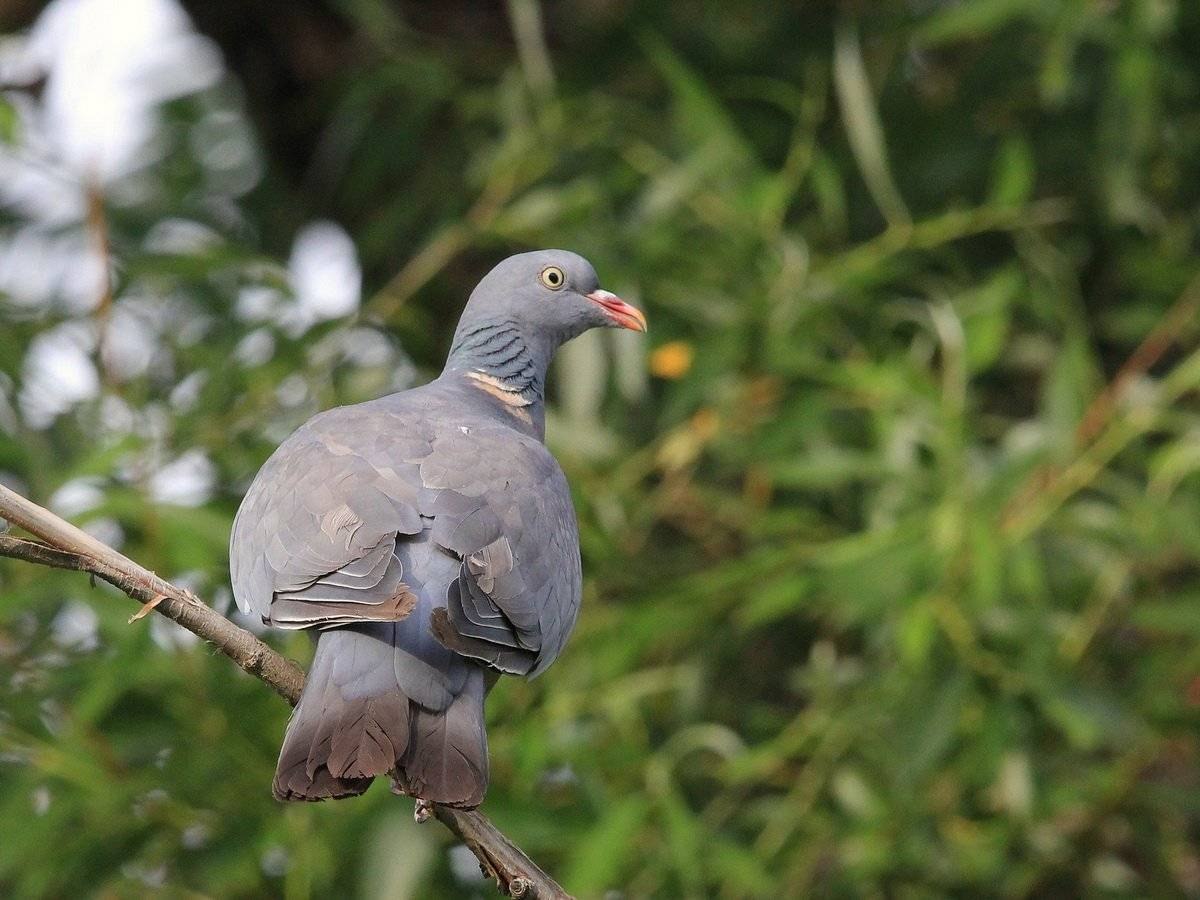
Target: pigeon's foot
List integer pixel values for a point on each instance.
(422, 811)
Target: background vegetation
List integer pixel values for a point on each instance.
(891, 526)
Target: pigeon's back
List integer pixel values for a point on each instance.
(424, 540)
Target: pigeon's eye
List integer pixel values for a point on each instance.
(552, 277)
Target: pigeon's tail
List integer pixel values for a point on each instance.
(343, 733)
(353, 723)
(447, 758)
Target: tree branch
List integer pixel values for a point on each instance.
(68, 547)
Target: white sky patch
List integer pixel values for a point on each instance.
(58, 373)
(106, 530)
(37, 267)
(132, 338)
(362, 347)
(186, 481)
(13, 482)
(76, 496)
(181, 237)
(220, 599)
(275, 861)
(185, 395)
(292, 391)
(40, 800)
(195, 836)
(367, 347)
(258, 303)
(224, 144)
(324, 273)
(31, 182)
(109, 64)
(117, 418)
(255, 349)
(465, 865)
(76, 627)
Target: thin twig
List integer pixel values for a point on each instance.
(1099, 413)
(444, 246)
(97, 228)
(68, 547)
(1177, 319)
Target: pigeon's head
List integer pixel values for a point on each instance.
(551, 293)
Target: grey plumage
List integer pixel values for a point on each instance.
(424, 537)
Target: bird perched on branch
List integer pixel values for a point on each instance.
(428, 540)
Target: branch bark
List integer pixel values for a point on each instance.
(68, 547)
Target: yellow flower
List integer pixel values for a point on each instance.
(672, 360)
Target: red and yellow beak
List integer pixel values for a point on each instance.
(621, 313)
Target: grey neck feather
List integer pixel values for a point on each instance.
(501, 351)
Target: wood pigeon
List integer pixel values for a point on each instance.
(428, 541)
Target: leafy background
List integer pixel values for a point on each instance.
(891, 526)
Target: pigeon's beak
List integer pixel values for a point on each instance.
(618, 311)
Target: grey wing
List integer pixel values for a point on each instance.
(314, 542)
(508, 516)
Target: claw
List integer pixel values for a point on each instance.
(422, 811)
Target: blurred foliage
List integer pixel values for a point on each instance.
(874, 605)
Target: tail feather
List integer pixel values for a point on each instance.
(351, 724)
(447, 758)
(354, 722)
(371, 738)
